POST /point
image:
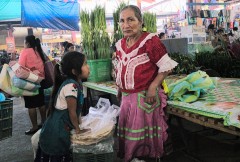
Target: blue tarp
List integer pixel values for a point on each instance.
(10, 10)
(52, 14)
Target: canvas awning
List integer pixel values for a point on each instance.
(52, 14)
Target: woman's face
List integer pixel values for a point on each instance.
(129, 23)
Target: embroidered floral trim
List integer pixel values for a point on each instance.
(146, 128)
(148, 108)
(130, 69)
(126, 57)
(119, 75)
(130, 64)
(145, 136)
(166, 64)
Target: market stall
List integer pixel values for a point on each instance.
(220, 107)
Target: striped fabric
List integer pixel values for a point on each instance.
(21, 83)
(7, 86)
(25, 73)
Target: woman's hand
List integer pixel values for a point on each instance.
(119, 95)
(151, 95)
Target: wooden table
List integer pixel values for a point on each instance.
(203, 120)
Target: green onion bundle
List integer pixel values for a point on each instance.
(95, 39)
(117, 31)
(150, 22)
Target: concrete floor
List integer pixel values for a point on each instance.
(206, 146)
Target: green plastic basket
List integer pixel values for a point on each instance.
(80, 157)
(100, 70)
(6, 111)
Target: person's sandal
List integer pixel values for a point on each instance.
(30, 131)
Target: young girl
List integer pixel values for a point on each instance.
(67, 101)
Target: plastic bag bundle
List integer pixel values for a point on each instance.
(100, 121)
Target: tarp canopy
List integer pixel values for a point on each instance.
(52, 14)
(10, 10)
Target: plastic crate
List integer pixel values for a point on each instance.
(80, 157)
(6, 111)
(100, 70)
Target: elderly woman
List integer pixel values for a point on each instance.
(143, 63)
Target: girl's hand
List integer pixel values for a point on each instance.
(151, 95)
(77, 131)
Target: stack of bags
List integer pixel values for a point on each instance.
(191, 87)
(100, 123)
(19, 81)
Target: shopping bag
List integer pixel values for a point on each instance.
(49, 74)
(25, 73)
(7, 86)
(22, 83)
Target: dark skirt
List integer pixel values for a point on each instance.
(43, 157)
(35, 101)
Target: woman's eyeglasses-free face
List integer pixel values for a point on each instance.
(128, 21)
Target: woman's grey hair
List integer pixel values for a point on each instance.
(136, 10)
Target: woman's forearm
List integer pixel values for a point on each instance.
(159, 79)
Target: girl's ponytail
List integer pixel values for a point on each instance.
(58, 80)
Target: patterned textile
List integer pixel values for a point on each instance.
(7, 86)
(142, 127)
(223, 102)
(226, 91)
(25, 73)
(190, 88)
(21, 83)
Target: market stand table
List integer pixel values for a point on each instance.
(218, 109)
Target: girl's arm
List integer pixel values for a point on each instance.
(72, 106)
